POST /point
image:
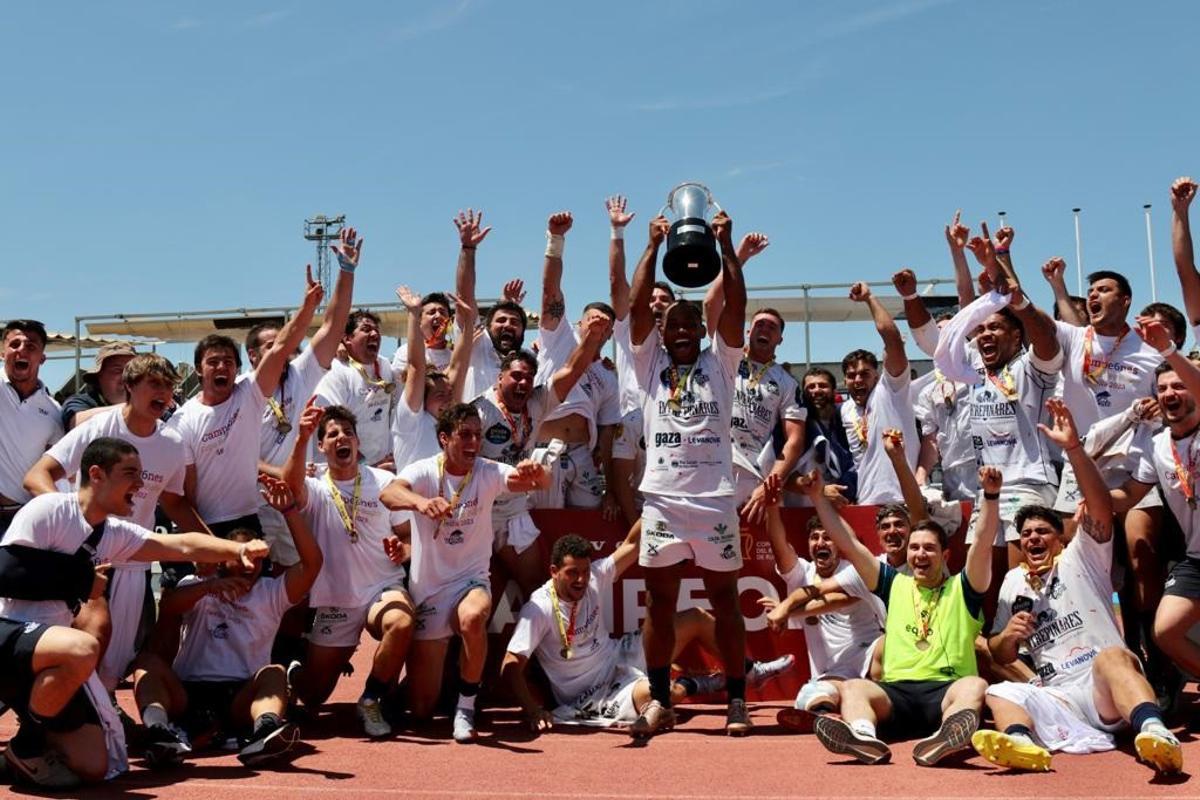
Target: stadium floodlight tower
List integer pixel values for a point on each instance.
(324, 230)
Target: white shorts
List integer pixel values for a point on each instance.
(335, 626)
(1064, 717)
(960, 482)
(610, 702)
(519, 531)
(744, 484)
(575, 482)
(703, 529)
(435, 614)
(126, 594)
(1069, 495)
(1012, 498)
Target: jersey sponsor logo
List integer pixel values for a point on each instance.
(1077, 657)
(151, 477)
(1059, 626)
(728, 553)
(1104, 399)
(456, 537)
(689, 406)
(668, 439)
(221, 631)
(498, 434)
(704, 436)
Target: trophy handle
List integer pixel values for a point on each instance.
(662, 212)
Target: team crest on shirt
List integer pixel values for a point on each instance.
(1057, 588)
(1103, 399)
(700, 378)
(772, 387)
(498, 434)
(455, 538)
(221, 631)
(728, 553)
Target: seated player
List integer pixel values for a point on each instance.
(596, 679)
(222, 679)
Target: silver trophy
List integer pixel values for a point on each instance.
(691, 259)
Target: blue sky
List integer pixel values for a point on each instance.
(163, 156)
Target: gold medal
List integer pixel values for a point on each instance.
(565, 653)
(565, 634)
(389, 387)
(922, 644)
(284, 427)
(347, 515)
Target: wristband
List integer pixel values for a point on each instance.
(618, 234)
(468, 247)
(912, 296)
(554, 244)
(1001, 251)
(1170, 351)
(1023, 305)
(991, 495)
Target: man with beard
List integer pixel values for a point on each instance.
(221, 428)
(364, 384)
(30, 419)
(828, 448)
(878, 402)
(689, 511)
(453, 494)
(361, 586)
(297, 383)
(594, 678)
(504, 323)
(586, 419)
(1172, 460)
(512, 411)
(87, 735)
(1009, 386)
(841, 619)
(1056, 605)
(150, 383)
(103, 386)
(929, 684)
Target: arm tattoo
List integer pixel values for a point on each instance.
(555, 309)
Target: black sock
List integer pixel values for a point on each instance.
(1019, 730)
(268, 720)
(660, 684)
(749, 664)
(468, 689)
(30, 739)
(735, 687)
(689, 685)
(374, 689)
(1143, 712)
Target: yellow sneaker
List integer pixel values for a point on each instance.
(1161, 752)
(1005, 751)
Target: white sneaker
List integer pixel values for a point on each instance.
(464, 725)
(370, 711)
(763, 671)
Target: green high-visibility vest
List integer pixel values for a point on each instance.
(942, 614)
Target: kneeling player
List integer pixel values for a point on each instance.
(222, 679)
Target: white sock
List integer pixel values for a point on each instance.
(1020, 737)
(155, 714)
(1155, 725)
(863, 727)
(466, 702)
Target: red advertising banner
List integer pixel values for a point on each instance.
(627, 607)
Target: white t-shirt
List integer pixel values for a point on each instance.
(223, 442)
(502, 443)
(55, 522)
(297, 384)
(222, 641)
(414, 435)
(595, 396)
(458, 548)
(369, 401)
(838, 643)
(1073, 611)
(944, 412)
(594, 652)
(888, 406)
(629, 444)
(631, 394)
(1158, 466)
(27, 427)
(761, 398)
(438, 359)
(689, 451)
(484, 368)
(161, 454)
(354, 572)
(1123, 372)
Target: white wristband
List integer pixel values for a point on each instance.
(912, 296)
(554, 244)
(1024, 304)
(1170, 351)
(618, 233)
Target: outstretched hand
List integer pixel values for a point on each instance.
(470, 232)
(1062, 430)
(348, 249)
(615, 206)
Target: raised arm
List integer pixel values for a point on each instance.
(893, 446)
(641, 319)
(862, 559)
(618, 283)
(895, 361)
(414, 377)
(41, 477)
(1054, 271)
(957, 236)
(527, 476)
(915, 311)
(1098, 508)
(553, 303)
(584, 354)
(460, 356)
(470, 234)
(625, 556)
(978, 567)
(200, 547)
(714, 299)
(1183, 191)
(1039, 327)
(299, 577)
(294, 469)
(275, 359)
(732, 321)
(1155, 334)
(324, 342)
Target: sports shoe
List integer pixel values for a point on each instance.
(370, 711)
(1009, 751)
(45, 769)
(953, 735)
(464, 725)
(268, 742)
(655, 718)
(737, 720)
(1159, 748)
(838, 737)
(797, 719)
(164, 745)
(763, 671)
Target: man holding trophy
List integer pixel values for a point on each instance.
(688, 483)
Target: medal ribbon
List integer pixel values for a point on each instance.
(281, 419)
(1006, 383)
(340, 504)
(1186, 477)
(679, 379)
(925, 609)
(1033, 577)
(457, 496)
(947, 388)
(753, 378)
(526, 426)
(1092, 368)
(860, 423)
(377, 382)
(565, 634)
